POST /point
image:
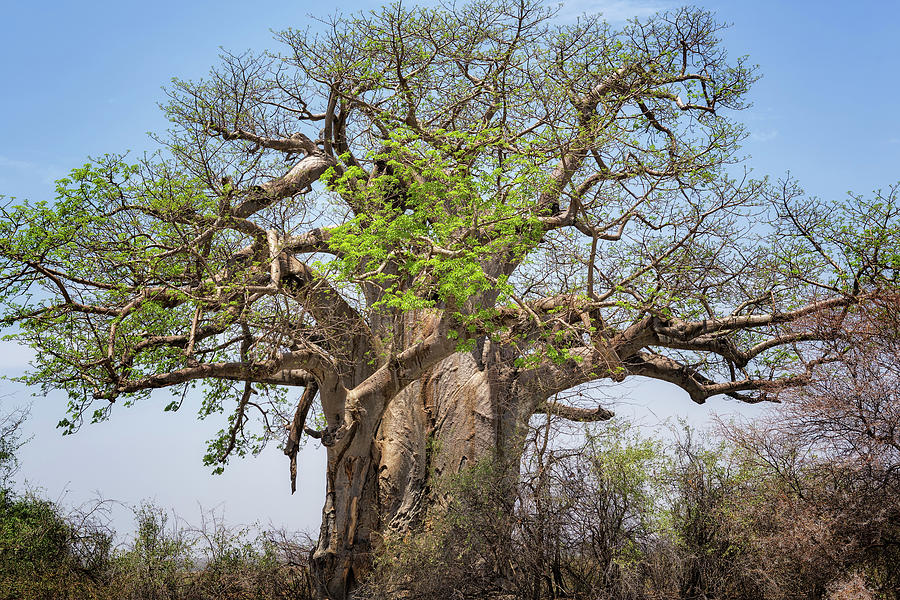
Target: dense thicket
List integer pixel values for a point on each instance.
(627, 517)
(745, 514)
(47, 553)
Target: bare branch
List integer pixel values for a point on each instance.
(574, 413)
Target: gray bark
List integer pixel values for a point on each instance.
(465, 408)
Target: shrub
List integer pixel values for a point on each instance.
(43, 556)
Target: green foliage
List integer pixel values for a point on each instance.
(111, 223)
(430, 213)
(43, 555)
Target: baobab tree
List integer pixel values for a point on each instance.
(435, 222)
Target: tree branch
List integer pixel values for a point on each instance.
(296, 144)
(290, 368)
(574, 413)
(298, 179)
(296, 427)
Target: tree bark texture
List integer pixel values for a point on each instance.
(465, 408)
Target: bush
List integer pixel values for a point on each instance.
(43, 556)
(460, 551)
(46, 553)
(158, 564)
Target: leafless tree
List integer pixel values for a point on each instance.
(832, 454)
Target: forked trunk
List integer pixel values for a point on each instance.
(464, 409)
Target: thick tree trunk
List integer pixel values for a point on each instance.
(467, 407)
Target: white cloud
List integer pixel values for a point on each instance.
(765, 135)
(47, 174)
(614, 11)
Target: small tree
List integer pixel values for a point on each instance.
(710, 484)
(589, 515)
(157, 564)
(433, 221)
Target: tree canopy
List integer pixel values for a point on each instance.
(393, 189)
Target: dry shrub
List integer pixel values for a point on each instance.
(169, 560)
(47, 554)
(460, 551)
(826, 508)
(853, 587)
(241, 564)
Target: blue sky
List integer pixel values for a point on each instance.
(85, 78)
